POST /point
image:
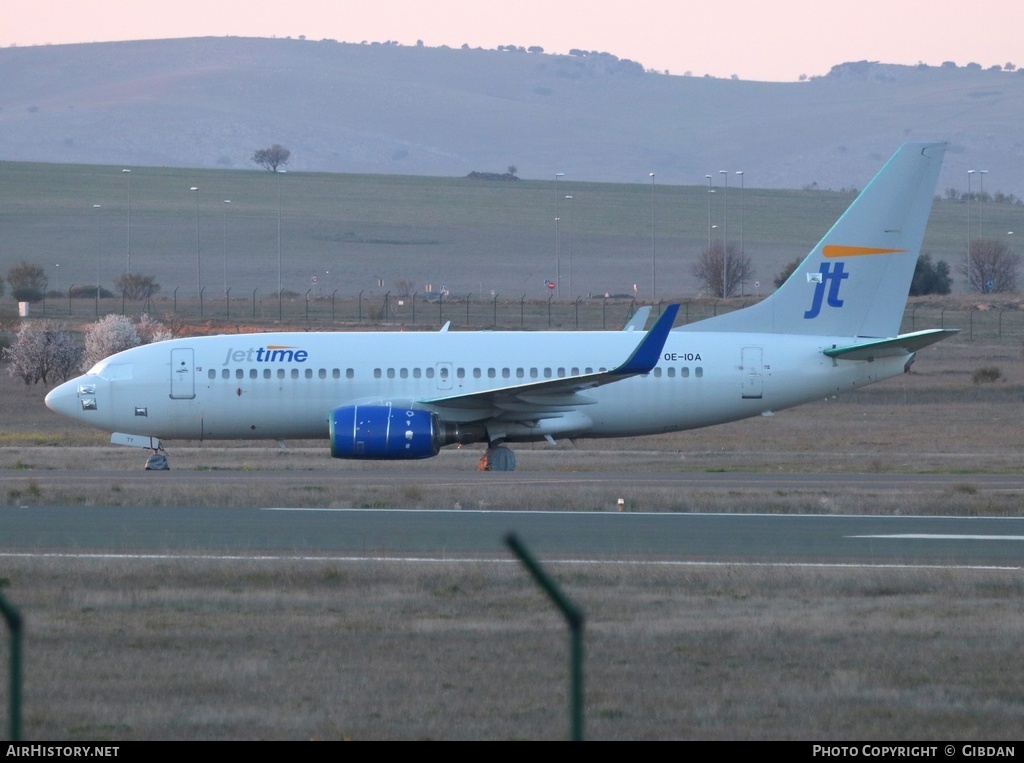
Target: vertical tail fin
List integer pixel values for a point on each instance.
(855, 282)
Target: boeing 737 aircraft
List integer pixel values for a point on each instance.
(831, 327)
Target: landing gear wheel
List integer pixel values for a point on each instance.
(498, 459)
(157, 463)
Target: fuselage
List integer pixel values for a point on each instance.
(285, 385)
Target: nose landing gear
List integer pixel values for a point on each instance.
(157, 462)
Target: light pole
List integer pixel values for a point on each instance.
(279, 286)
(725, 237)
(970, 173)
(128, 266)
(558, 264)
(981, 202)
(710, 191)
(225, 236)
(97, 206)
(743, 259)
(199, 271)
(654, 269)
(569, 199)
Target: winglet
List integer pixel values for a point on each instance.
(645, 357)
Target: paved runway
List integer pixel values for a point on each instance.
(680, 481)
(578, 536)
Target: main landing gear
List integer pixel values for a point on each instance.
(497, 458)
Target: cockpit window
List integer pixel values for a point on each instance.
(113, 371)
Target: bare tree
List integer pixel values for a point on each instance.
(27, 281)
(272, 158)
(991, 267)
(722, 270)
(136, 286)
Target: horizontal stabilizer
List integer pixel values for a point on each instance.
(885, 348)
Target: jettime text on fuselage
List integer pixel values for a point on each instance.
(270, 354)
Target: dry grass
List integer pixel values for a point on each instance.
(327, 650)
(126, 649)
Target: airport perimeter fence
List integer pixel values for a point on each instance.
(387, 311)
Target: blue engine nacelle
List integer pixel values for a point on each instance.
(384, 432)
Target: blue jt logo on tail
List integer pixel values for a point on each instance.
(833, 277)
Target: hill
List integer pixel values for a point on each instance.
(381, 108)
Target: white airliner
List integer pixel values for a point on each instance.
(831, 327)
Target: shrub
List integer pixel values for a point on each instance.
(986, 375)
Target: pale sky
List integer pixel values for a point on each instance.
(753, 39)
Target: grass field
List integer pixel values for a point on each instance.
(320, 650)
(369, 233)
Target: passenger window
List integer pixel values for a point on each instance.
(309, 373)
(280, 373)
(505, 373)
(417, 373)
(476, 373)
(266, 373)
(335, 373)
(547, 373)
(323, 373)
(213, 373)
(430, 373)
(657, 373)
(460, 373)
(350, 373)
(239, 373)
(685, 372)
(295, 373)
(671, 371)
(376, 373)
(253, 373)
(225, 374)
(491, 373)
(698, 372)
(404, 373)
(520, 373)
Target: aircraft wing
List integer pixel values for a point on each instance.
(884, 348)
(563, 394)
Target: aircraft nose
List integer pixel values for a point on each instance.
(73, 398)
